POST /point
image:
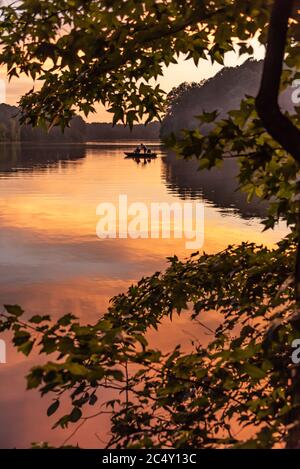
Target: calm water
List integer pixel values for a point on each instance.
(52, 262)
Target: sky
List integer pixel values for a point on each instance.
(174, 75)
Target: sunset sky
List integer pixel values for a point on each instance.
(185, 70)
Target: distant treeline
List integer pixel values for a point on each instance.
(79, 131)
(96, 131)
(223, 93)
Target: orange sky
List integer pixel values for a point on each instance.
(185, 70)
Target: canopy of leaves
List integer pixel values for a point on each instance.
(110, 51)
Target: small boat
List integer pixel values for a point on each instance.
(141, 155)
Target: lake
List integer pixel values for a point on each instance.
(52, 261)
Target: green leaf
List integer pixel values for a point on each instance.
(75, 414)
(76, 369)
(53, 408)
(93, 399)
(254, 371)
(38, 319)
(26, 347)
(14, 310)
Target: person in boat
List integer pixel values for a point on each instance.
(149, 151)
(137, 150)
(144, 148)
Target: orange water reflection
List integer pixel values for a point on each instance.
(52, 261)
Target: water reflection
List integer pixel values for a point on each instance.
(52, 262)
(218, 186)
(28, 157)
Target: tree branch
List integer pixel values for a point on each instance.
(143, 38)
(274, 121)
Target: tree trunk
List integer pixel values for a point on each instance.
(285, 133)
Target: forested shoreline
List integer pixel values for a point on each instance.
(79, 131)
